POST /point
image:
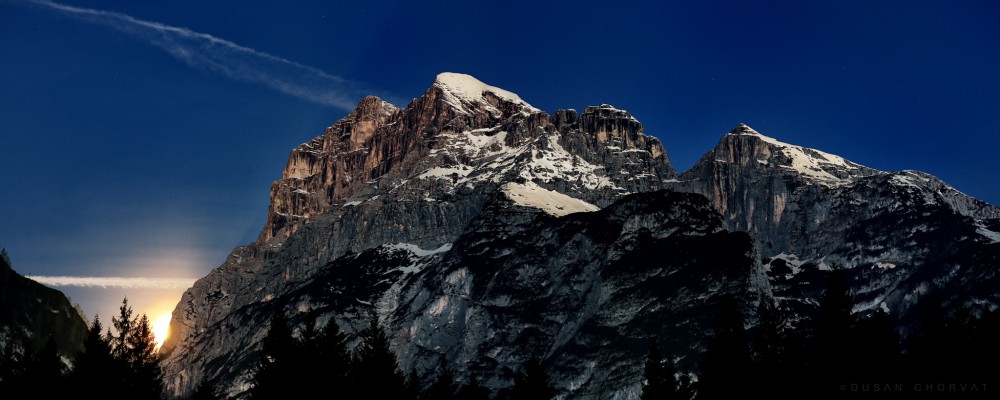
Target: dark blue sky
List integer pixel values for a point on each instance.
(133, 148)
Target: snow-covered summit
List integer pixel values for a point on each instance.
(743, 129)
(814, 165)
(462, 87)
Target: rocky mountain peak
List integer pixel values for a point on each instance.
(800, 203)
(743, 129)
(617, 129)
(416, 177)
(746, 147)
(372, 107)
(462, 91)
(328, 167)
(477, 132)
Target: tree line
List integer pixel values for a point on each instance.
(318, 362)
(840, 354)
(120, 364)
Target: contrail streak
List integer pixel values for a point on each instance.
(115, 282)
(207, 52)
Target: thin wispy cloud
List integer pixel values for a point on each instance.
(207, 52)
(115, 282)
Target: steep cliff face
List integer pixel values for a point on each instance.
(418, 175)
(584, 292)
(899, 234)
(30, 313)
(327, 168)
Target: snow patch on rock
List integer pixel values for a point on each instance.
(991, 235)
(461, 87)
(531, 195)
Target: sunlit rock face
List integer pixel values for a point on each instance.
(420, 176)
(900, 235)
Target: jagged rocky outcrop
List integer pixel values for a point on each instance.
(417, 175)
(461, 126)
(900, 234)
(487, 231)
(331, 166)
(31, 313)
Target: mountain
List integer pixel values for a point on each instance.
(418, 177)
(899, 235)
(482, 229)
(31, 312)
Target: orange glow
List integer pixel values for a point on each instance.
(161, 328)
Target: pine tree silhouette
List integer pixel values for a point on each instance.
(205, 391)
(92, 365)
(473, 391)
(772, 373)
(375, 368)
(532, 383)
(44, 373)
(12, 367)
(273, 370)
(726, 365)
(411, 387)
(133, 350)
(331, 350)
(834, 347)
(443, 387)
(123, 325)
(878, 349)
(144, 361)
(660, 383)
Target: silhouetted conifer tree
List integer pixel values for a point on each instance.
(4, 259)
(93, 366)
(274, 373)
(532, 383)
(15, 365)
(769, 344)
(316, 361)
(331, 350)
(144, 361)
(834, 351)
(123, 325)
(443, 387)
(878, 349)
(205, 391)
(375, 368)
(774, 370)
(133, 350)
(411, 387)
(472, 390)
(43, 375)
(305, 363)
(11, 366)
(961, 329)
(685, 387)
(31, 374)
(660, 383)
(927, 345)
(986, 345)
(726, 365)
